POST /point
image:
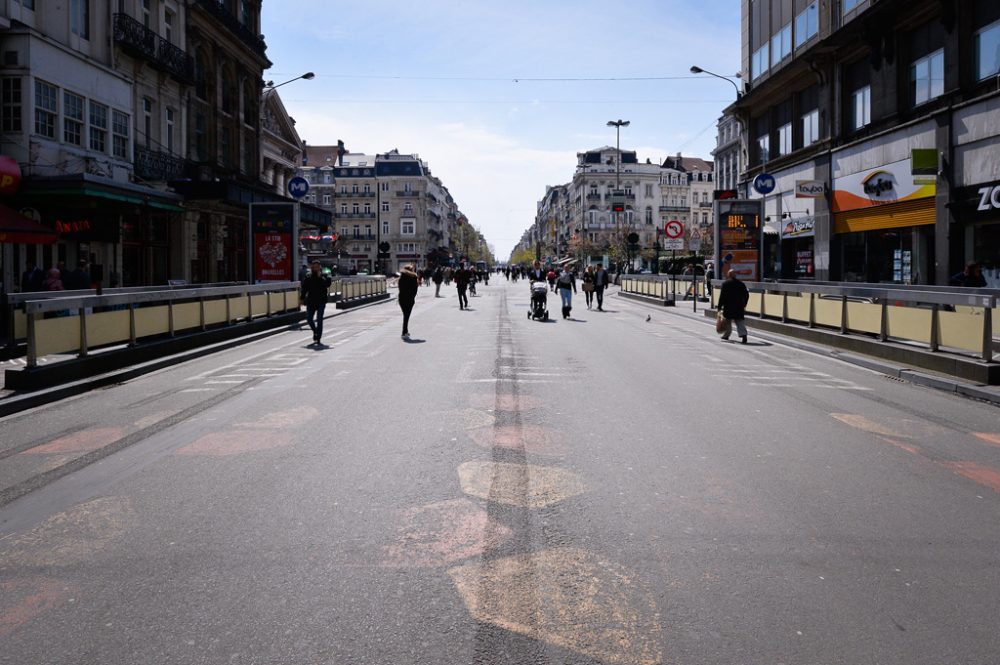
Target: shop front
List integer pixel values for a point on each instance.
(798, 248)
(883, 225)
(977, 209)
(123, 232)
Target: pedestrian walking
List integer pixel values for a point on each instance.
(551, 276)
(437, 278)
(32, 278)
(566, 281)
(601, 281)
(588, 285)
(315, 288)
(461, 277)
(733, 299)
(537, 273)
(408, 286)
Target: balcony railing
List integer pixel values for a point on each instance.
(405, 192)
(593, 197)
(674, 208)
(254, 41)
(139, 40)
(156, 165)
(362, 195)
(355, 215)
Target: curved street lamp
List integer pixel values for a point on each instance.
(308, 76)
(695, 69)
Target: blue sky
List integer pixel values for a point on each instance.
(458, 83)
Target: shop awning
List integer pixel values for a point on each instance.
(242, 194)
(16, 228)
(86, 185)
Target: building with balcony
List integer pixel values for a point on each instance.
(880, 122)
(72, 80)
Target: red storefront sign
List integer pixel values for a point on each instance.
(10, 175)
(273, 257)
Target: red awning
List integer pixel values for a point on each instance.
(16, 228)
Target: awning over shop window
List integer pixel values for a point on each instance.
(86, 185)
(891, 216)
(16, 228)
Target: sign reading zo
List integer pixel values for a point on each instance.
(990, 198)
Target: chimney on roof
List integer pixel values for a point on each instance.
(340, 153)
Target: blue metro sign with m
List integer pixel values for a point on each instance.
(298, 187)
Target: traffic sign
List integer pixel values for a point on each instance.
(298, 187)
(764, 183)
(674, 229)
(694, 242)
(673, 243)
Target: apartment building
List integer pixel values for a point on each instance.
(607, 199)
(880, 123)
(73, 121)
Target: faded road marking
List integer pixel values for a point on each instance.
(281, 419)
(530, 438)
(23, 599)
(570, 598)
(522, 485)
(976, 472)
(235, 442)
(73, 536)
(988, 437)
(79, 442)
(442, 534)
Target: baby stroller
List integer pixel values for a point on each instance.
(539, 299)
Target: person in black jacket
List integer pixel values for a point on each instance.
(462, 278)
(408, 285)
(315, 288)
(733, 299)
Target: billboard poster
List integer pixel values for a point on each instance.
(892, 183)
(272, 228)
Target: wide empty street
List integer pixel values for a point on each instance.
(600, 490)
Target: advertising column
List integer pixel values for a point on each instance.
(274, 233)
(739, 238)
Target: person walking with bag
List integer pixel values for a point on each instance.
(733, 299)
(409, 283)
(315, 289)
(566, 281)
(588, 285)
(601, 281)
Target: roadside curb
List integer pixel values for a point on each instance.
(17, 403)
(903, 373)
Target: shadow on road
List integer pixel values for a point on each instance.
(414, 340)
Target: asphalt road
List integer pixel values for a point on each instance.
(600, 490)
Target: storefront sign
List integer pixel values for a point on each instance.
(809, 189)
(10, 175)
(989, 199)
(724, 194)
(892, 183)
(801, 227)
(272, 228)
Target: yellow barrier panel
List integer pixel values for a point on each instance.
(108, 328)
(798, 308)
(187, 315)
(238, 308)
(909, 323)
(148, 321)
(259, 304)
(864, 317)
(961, 330)
(58, 335)
(828, 313)
(753, 305)
(215, 311)
(773, 305)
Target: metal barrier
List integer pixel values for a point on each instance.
(359, 288)
(663, 287)
(75, 325)
(17, 319)
(941, 318)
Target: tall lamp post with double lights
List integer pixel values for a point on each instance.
(617, 199)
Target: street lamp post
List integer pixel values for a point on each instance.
(695, 69)
(308, 76)
(618, 124)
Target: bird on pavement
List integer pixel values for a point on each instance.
(648, 318)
